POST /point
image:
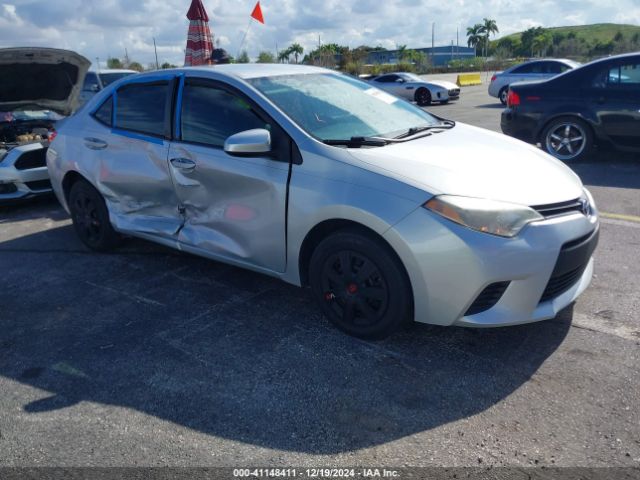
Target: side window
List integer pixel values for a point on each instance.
(91, 82)
(387, 78)
(210, 115)
(620, 76)
(554, 67)
(104, 114)
(142, 108)
(528, 68)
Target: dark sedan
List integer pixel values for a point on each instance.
(596, 104)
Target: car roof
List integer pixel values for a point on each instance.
(112, 70)
(253, 70)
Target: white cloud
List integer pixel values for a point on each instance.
(108, 27)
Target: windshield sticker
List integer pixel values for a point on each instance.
(382, 96)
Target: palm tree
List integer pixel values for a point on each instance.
(489, 27)
(474, 36)
(284, 56)
(295, 49)
(402, 52)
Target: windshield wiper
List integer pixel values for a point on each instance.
(445, 124)
(357, 142)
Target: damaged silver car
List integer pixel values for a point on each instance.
(388, 213)
(38, 88)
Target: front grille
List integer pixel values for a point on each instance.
(32, 159)
(572, 261)
(454, 92)
(39, 185)
(487, 298)
(6, 188)
(557, 209)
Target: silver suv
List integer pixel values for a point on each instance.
(534, 70)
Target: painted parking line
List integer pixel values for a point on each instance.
(620, 216)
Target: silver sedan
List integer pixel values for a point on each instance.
(415, 89)
(388, 213)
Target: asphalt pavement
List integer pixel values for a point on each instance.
(151, 357)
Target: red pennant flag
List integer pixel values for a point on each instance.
(257, 13)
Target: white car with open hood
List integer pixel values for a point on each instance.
(38, 88)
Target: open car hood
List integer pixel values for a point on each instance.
(41, 78)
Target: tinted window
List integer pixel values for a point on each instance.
(528, 68)
(141, 108)
(90, 82)
(211, 115)
(555, 67)
(104, 113)
(620, 76)
(109, 78)
(387, 78)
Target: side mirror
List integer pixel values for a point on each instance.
(95, 87)
(400, 80)
(249, 142)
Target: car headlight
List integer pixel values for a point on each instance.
(591, 208)
(487, 216)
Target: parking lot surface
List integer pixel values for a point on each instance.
(148, 356)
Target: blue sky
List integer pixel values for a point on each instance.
(101, 28)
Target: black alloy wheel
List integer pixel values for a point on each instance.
(364, 297)
(91, 217)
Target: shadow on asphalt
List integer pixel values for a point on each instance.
(610, 168)
(46, 206)
(496, 106)
(238, 355)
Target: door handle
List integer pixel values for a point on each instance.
(183, 163)
(95, 143)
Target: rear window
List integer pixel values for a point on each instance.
(142, 108)
(104, 114)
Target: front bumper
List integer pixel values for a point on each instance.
(450, 266)
(18, 182)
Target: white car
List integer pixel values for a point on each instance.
(319, 179)
(415, 89)
(39, 87)
(96, 81)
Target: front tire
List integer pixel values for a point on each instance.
(423, 97)
(568, 139)
(360, 285)
(91, 218)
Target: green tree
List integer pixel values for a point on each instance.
(542, 42)
(527, 40)
(243, 58)
(114, 63)
(296, 50)
(474, 37)
(488, 28)
(167, 65)
(135, 66)
(266, 57)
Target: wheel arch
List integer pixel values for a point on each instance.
(69, 179)
(328, 227)
(556, 116)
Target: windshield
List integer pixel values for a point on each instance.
(333, 106)
(411, 77)
(109, 78)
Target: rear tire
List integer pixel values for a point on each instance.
(91, 218)
(423, 97)
(360, 285)
(503, 94)
(568, 139)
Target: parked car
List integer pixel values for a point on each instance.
(96, 81)
(533, 70)
(413, 88)
(596, 104)
(38, 87)
(319, 179)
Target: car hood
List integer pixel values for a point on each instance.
(474, 162)
(443, 84)
(41, 78)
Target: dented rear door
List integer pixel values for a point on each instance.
(234, 207)
(134, 175)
